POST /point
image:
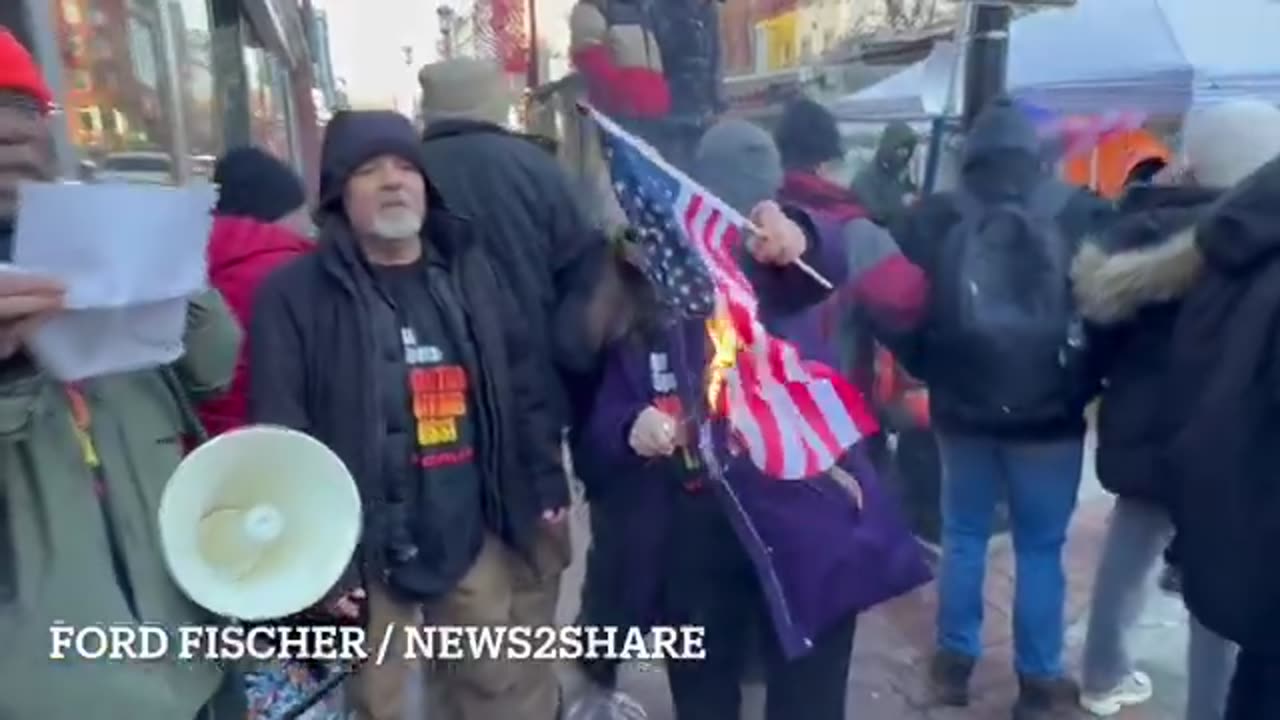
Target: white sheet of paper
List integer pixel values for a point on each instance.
(80, 344)
(116, 245)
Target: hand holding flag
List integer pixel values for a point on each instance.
(795, 418)
(778, 240)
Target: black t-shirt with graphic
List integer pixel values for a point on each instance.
(447, 511)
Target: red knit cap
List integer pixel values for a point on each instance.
(19, 73)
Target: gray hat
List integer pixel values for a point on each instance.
(739, 162)
(465, 89)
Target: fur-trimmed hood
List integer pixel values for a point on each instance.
(1148, 257)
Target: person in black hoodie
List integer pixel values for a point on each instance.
(393, 345)
(1008, 382)
(1223, 394)
(1129, 282)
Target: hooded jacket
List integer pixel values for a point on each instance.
(242, 253)
(883, 184)
(1224, 396)
(57, 546)
(1129, 283)
(1001, 164)
(326, 359)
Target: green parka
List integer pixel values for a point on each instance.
(55, 561)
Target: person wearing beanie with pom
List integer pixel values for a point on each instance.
(1130, 282)
(394, 344)
(82, 469)
(1003, 354)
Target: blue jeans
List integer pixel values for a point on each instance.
(1041, 481)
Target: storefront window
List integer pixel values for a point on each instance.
(268, 102)
(192, 44)
(117, 103)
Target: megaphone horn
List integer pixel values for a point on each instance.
(259, 523)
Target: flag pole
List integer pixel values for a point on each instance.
(801, 265)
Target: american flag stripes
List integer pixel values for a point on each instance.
(794, 418)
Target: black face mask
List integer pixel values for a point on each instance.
(900, 158)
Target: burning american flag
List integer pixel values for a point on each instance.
(795, 418)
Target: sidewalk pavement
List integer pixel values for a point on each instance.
(894, 642)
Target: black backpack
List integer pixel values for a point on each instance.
(1004, 310)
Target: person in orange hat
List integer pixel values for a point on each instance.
(1117, 162)
(81, 473)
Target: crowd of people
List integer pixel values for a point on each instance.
(448, 321)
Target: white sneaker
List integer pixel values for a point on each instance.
(599, 704)
(1135, 689)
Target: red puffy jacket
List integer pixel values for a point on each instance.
(242, 253)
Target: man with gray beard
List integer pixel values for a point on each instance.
(394, 346)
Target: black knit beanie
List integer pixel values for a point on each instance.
(254, 184)
(353, 137)
(807, 135)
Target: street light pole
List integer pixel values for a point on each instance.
(986, 61)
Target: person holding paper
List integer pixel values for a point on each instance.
(81, 473)
(395, 346)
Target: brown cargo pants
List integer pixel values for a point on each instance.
(499, 589)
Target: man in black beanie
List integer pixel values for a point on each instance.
(394, 346)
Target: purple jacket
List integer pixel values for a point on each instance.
(817, 555)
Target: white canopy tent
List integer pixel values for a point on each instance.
(1155, 56)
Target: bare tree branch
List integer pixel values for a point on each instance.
(909, 14)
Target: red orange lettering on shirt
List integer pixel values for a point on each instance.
(439, 399)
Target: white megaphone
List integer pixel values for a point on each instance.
(259, 523)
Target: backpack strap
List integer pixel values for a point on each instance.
(192, 428)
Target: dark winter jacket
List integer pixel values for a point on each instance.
(326, 359)
(1129, 282)
(1001, 164)
(688, 34)
(524, 209)
(817, 556)
(242, 253)
(1224, 387)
